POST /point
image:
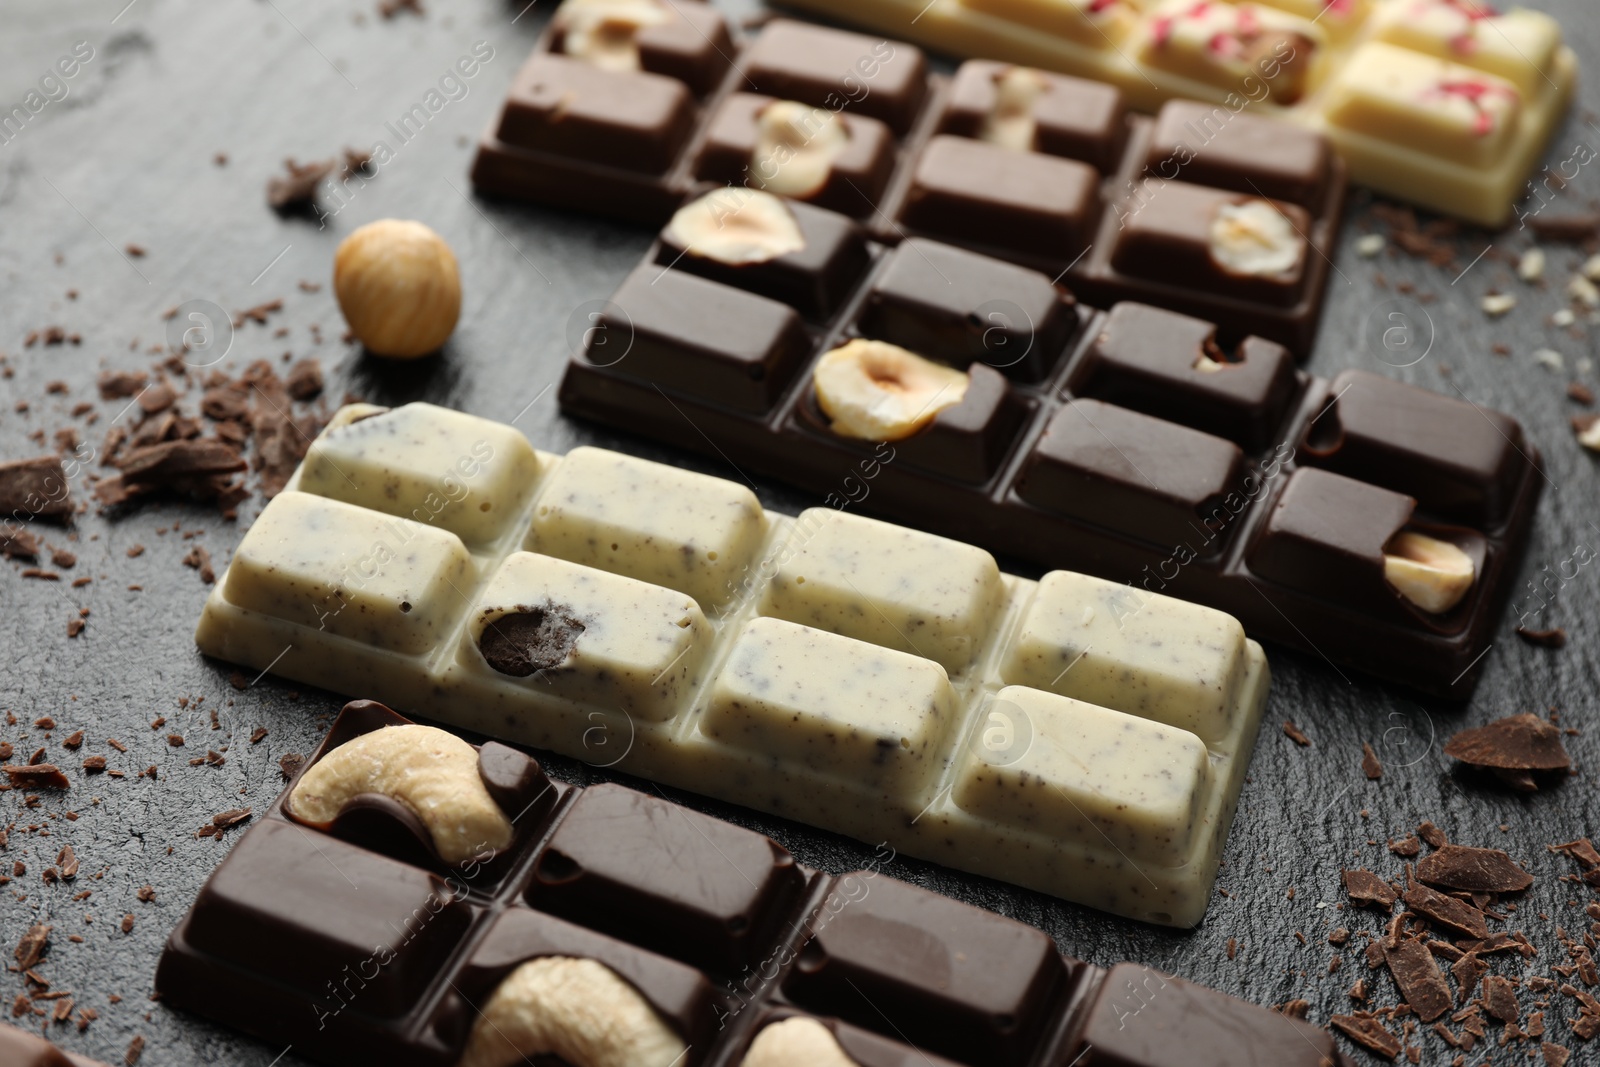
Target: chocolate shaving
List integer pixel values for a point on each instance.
(1568, 229)
(1369, 762)
(1517, 743)
(36, 776)
(1421, 982)
(1582, 850)
(1367, 889)
(121, 384)
(1499, 1000)
(1447, 911)
(1365, 1030)
(17, 543)
(1434, 836)
(1555, 637)
(67, 860)
(1488, 870)
(35, 488)
(304, 380)
(232, 817)
(30, 950)
(1467, 971)
(1294, 733)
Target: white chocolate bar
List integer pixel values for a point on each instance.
(1303, 60)
(1081, 738)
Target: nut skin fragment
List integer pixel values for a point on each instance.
(606, 32)
(796, 1042)
(1434, 575)
(398, 287)
(737, 227)
(578, 1010)
(432, 772)
(881, 392)
(795, 148)
(1254, 238)
(1010, 122)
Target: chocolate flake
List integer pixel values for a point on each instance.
(1488, 870)
(30, 950)
(135, 1050)
(67, 860)
(1421, 982)
(1369, 762)
(1467, 971)
(1582, 850)
(1295, 734)
(1499, 999)
(36, 776)
(1366, 888)
(1365, 1030)
(35, 488)
(1447, 911)
(1406, 846)
(1555, 637)
(297, 187)
(1516, 744)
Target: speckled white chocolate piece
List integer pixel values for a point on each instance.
(848, 731)
(840, 707)
(1225, 52)
(1091, 775)
(686, 531)
(351, 572)
(426, 463)
(641, 645)
(1142, 653)
(899, 588)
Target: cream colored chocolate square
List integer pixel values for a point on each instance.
(439, 467)
(1519, 46)
(1088, 775)
(386, 582)
(1338, 18)
(896, 587)
(589, 635)
(1426, 104)
(649, 521)
(1095, 23)
(833, 705)
(1137, 652)
(1222, 44)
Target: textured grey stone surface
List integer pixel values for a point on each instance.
(126, 157)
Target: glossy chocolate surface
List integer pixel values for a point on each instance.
(357, 957)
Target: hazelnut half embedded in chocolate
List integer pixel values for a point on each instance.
(736, 227)
(795, 148)
(606, 32)
(881, 392)
(1432, 574)
(1252, 237)
(1010, 122)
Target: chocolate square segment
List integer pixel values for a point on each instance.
(838, 71)
(743, 363)
(958, 307)
(686, 40)
(627, 119)
(1143, 477)
(300, 908)
(1071, 117)
(715, 896)
(1140, 1017)
(1463, 463)
(972, 985)
(813, 280)
(1244, 153)
(856, 178)
(1168, 235)
(1018, 203)
(1170, 366)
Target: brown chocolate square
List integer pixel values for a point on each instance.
(1072, 117)
(886, 80)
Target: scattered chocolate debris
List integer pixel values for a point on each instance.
(297, 187)
(36, 776)
(67, 860)
(17, 543)
(1417, 974)
(1367, 889)
(127, 923)
(1554, 1055)
(135, 1050)
(1487, 870)
(36, 487)
(121, 384)
(1295, 734)
(1467, 971)
(94, 764)
(289, 765)
(1369, 762)
(257, 734)
(304, 380)
(1365, 1030)
(1555, 637)
(199, 559)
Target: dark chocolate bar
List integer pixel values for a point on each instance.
(1231, 217)
(1135, 443)
(706, 939)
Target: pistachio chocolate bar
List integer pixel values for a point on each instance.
(1372, 524)
(619, 929)
(1445, 103)
(1230, 217)
(1066, 735)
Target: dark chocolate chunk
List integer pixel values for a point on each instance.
(1488, 870)
(515, 780)
(813, 280)
(1166, 236)
(744, 362)
(632, 120)
(716, 896)
(1447, 911)
(1417, 974)
(690, 42)
(1071, 117)
(1025, 204)
(893, 958)
(1170, 366)
(1460, 461)
(31, 488)
(958, 307)
(534, 639)
(1141, 476)
(1243, 153)
(1516, 743)
(856, 177)
(1364, 887)
(827, 68)
(1365, 1030)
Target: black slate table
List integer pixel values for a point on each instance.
(127, 157)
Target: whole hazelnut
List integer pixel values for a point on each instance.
(398, 287)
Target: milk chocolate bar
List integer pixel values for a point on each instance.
(1134, 443)
(1232, 217)
(636, 615)
(1445, 103)
(632, 930)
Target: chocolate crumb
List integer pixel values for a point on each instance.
(94, 764)
(127, 923)
(1407, 846)
(135, 1050)
(1580, 393)
(146, 894)
(297, 187)
(257, 734)
(1555, 637)
(1369, 763)
(30, 949)
(1295, 734)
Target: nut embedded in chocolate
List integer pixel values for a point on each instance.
(531, 639)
